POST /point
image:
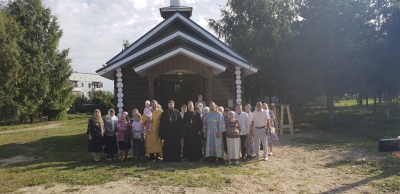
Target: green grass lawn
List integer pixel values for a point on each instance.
(59, 155)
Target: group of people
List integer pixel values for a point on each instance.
(203, 132)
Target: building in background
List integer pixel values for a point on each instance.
(85, 83)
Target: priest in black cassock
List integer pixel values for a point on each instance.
(193, 127)
(171, 131)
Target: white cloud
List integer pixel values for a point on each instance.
(139, 4)
(94, 29)
(188, 2)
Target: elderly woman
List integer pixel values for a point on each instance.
(206, 110)
(96, 132)
(110, 141)
(199, 108)
(233, 138)
(226, 119)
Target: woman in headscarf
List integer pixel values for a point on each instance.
(110, 140)
(123, 135)
(96, 132)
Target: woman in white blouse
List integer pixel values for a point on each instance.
(110, 141)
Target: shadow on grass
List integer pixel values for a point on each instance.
(355, 156)
(353, 185)
(355, 135)
(375, 169)
(70, 152)
(64, 159)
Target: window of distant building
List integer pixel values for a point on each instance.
(83, 85)
(74, 84)
(89, 85)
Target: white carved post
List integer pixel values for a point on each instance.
(238, 85)
(120, 94)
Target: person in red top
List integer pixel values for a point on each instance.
(123, 136)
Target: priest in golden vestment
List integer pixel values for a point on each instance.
(152, 140)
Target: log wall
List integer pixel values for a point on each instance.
(136, 90)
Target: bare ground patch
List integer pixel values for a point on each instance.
(15, 159)
(294, 168)
(49, 126)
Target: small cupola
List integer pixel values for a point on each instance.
(175, 6)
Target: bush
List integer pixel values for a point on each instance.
(98, 100)
(104, 100)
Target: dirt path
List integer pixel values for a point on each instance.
(44, 127)
(296, 169)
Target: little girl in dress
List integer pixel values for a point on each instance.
(147, 113)
(138, 138)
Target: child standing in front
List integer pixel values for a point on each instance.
(148, 116)
(138, 138)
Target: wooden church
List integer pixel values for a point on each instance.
(176, 60)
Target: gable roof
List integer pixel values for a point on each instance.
(216, 45)
(217, 66)
(187, 38)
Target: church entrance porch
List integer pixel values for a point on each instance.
(179, 88)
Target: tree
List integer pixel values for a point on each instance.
(324, 55)
(10, 69)
(380, 51)
(79, 103)
(60, 96)
(256, 29)
(34, 85)
(44, 85)
(104, 100)
(391, 29)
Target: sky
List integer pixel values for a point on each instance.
(94, 29)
